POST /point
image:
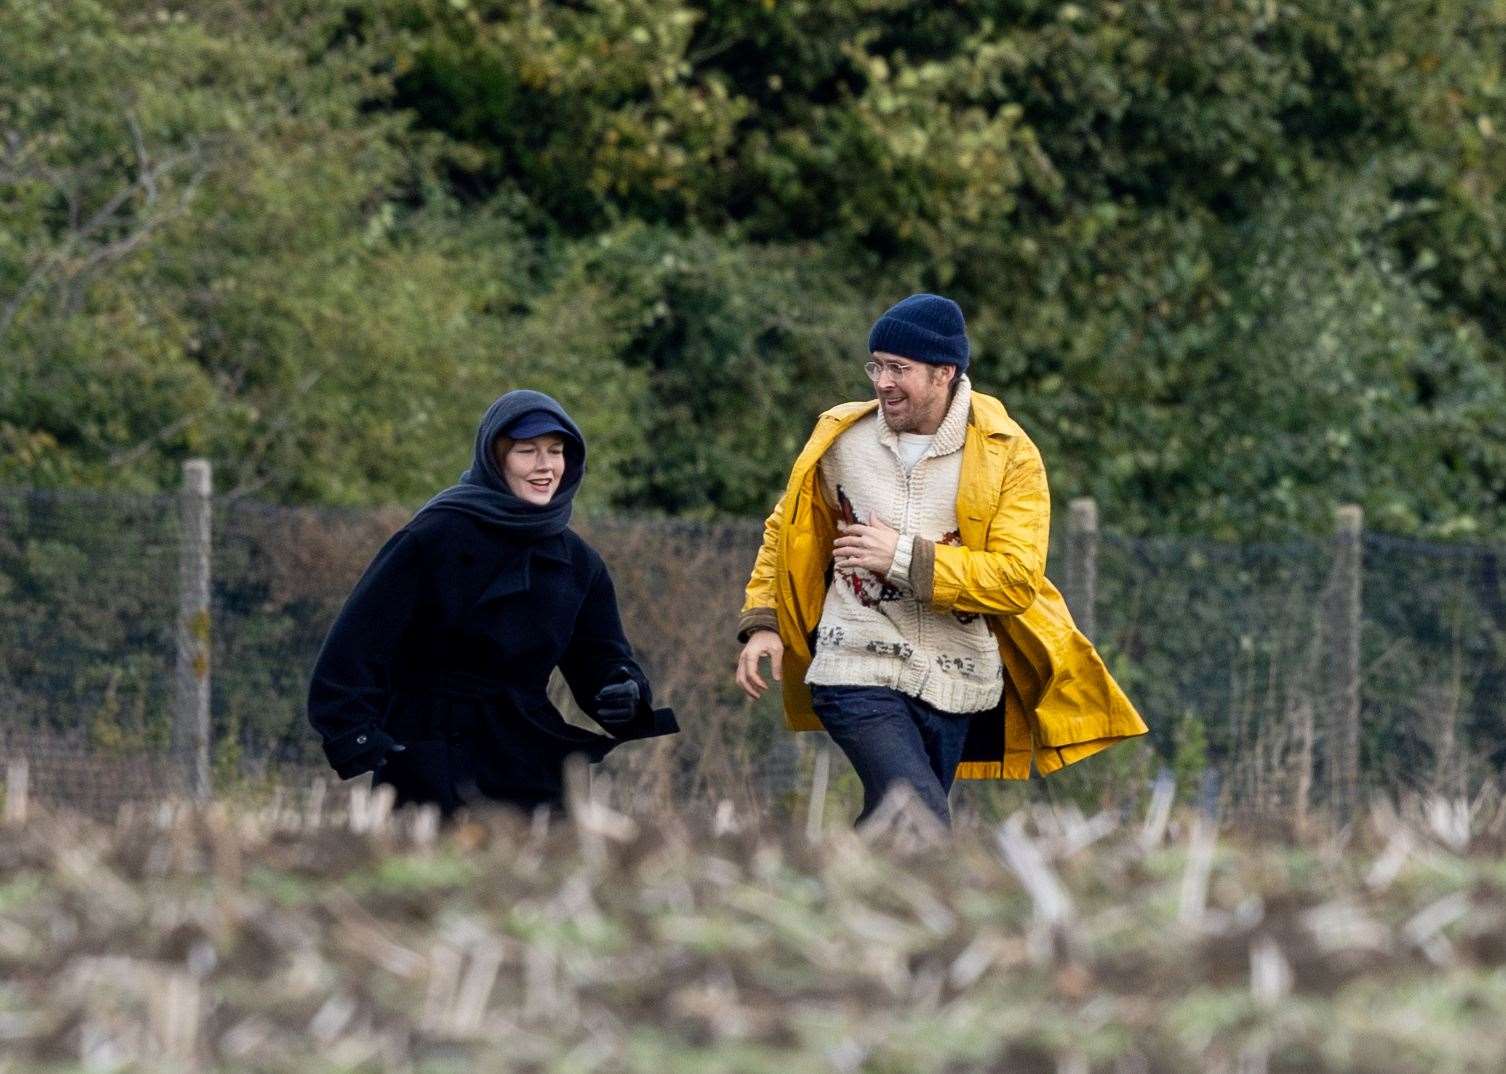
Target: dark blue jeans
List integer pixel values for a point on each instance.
(891, 737)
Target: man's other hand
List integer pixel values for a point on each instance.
(762, 643)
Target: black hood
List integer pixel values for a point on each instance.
(482, 491)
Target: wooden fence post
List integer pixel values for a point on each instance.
(1342, 659)
(820, 779)
(17, 789)
(191, 702)
(1082, 564)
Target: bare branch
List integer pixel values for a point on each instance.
(144, 183)
(248, 486)
(118, 249)
(126, 456)
(148, 175)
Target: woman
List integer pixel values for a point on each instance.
(434, 673)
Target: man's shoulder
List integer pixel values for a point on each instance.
(989, 415)
(829, 426)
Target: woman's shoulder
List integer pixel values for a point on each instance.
(580, 550)
(447, 530)
(429, 527)
(444, 532)
(441, 532)
(587, 560)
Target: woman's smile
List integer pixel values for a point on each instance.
(533, 468)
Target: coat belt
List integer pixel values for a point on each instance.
(459, 684)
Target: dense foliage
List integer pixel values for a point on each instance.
(1228, 263)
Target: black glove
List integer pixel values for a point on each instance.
(360, 749)
(617, 702)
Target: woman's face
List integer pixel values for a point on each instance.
(533, 469)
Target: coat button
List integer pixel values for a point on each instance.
(360, 740)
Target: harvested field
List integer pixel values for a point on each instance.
(325, 935)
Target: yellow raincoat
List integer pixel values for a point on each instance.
(1060, 703)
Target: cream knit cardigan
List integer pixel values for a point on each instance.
(873, 631)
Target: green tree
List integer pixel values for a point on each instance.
(1227, 263)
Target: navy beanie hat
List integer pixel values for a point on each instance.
(927, 328)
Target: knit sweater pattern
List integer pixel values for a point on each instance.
(874, 631)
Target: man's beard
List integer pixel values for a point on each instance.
(906, 424)
(910, 417)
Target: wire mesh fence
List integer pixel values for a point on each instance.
(1220, 645)
(1233, 652)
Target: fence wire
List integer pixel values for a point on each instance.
(1225, 648)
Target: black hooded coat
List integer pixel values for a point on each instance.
(446, 645)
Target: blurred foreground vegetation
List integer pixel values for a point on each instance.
(1228, 263)
(314, 932)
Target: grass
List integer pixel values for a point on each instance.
(316, 937)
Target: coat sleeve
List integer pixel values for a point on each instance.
(350, 685)
(758, 598)
(1004, 576)
(598, 652)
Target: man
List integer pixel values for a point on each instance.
(900, 592)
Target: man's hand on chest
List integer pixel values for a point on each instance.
(868, 545)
